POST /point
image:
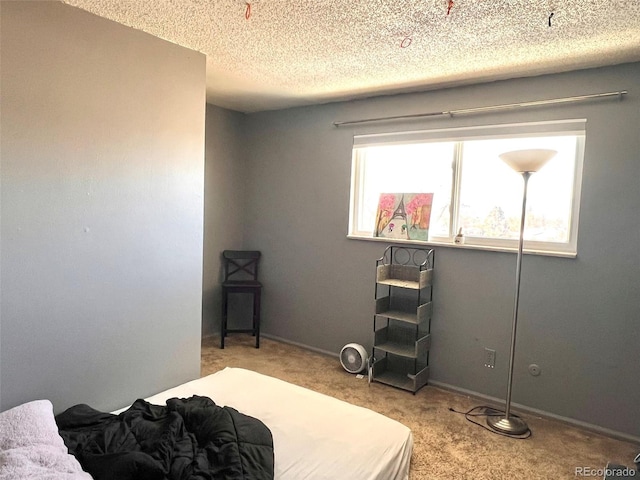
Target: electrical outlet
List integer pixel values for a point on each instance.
(489, 358)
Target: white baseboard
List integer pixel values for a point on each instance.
(301, 345)
(540, 413)
(496, 401)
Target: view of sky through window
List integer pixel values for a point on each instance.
(488, 201)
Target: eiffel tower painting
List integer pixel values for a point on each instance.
(403, 216)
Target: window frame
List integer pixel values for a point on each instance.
(573, 127)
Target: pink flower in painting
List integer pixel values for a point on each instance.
(386, 205)
(387, 201)
(419, 210)
(419, 200)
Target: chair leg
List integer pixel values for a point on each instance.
(256, 317)
(223, 319)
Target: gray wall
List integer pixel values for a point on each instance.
(579, 317)
(102, 209)
(225, 194)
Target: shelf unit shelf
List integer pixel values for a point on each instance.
(385, 308)
(403, 302)
(403, 380)
(401, 283)
(386, 341)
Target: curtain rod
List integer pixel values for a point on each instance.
(493, 108)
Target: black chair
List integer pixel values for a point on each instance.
(241, 276)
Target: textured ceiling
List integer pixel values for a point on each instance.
(283, 53)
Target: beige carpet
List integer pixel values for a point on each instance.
(446, 446)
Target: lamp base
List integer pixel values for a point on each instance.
(508, 426)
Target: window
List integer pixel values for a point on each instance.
(472, 188)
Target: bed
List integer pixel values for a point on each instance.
(315, 436)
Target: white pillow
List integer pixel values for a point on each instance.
(29, 424)
(31, 447)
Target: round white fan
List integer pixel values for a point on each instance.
(353, 358)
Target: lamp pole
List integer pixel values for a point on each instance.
(525, 162)
(508, 424)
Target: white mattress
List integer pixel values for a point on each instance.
(315, 436)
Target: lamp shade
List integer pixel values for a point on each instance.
(527, 160)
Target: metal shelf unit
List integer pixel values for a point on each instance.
(403, 304)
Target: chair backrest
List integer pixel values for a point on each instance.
(241, 264)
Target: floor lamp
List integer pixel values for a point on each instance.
(525, 162)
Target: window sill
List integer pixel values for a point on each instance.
(545, 253)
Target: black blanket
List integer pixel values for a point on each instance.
(190, 439)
